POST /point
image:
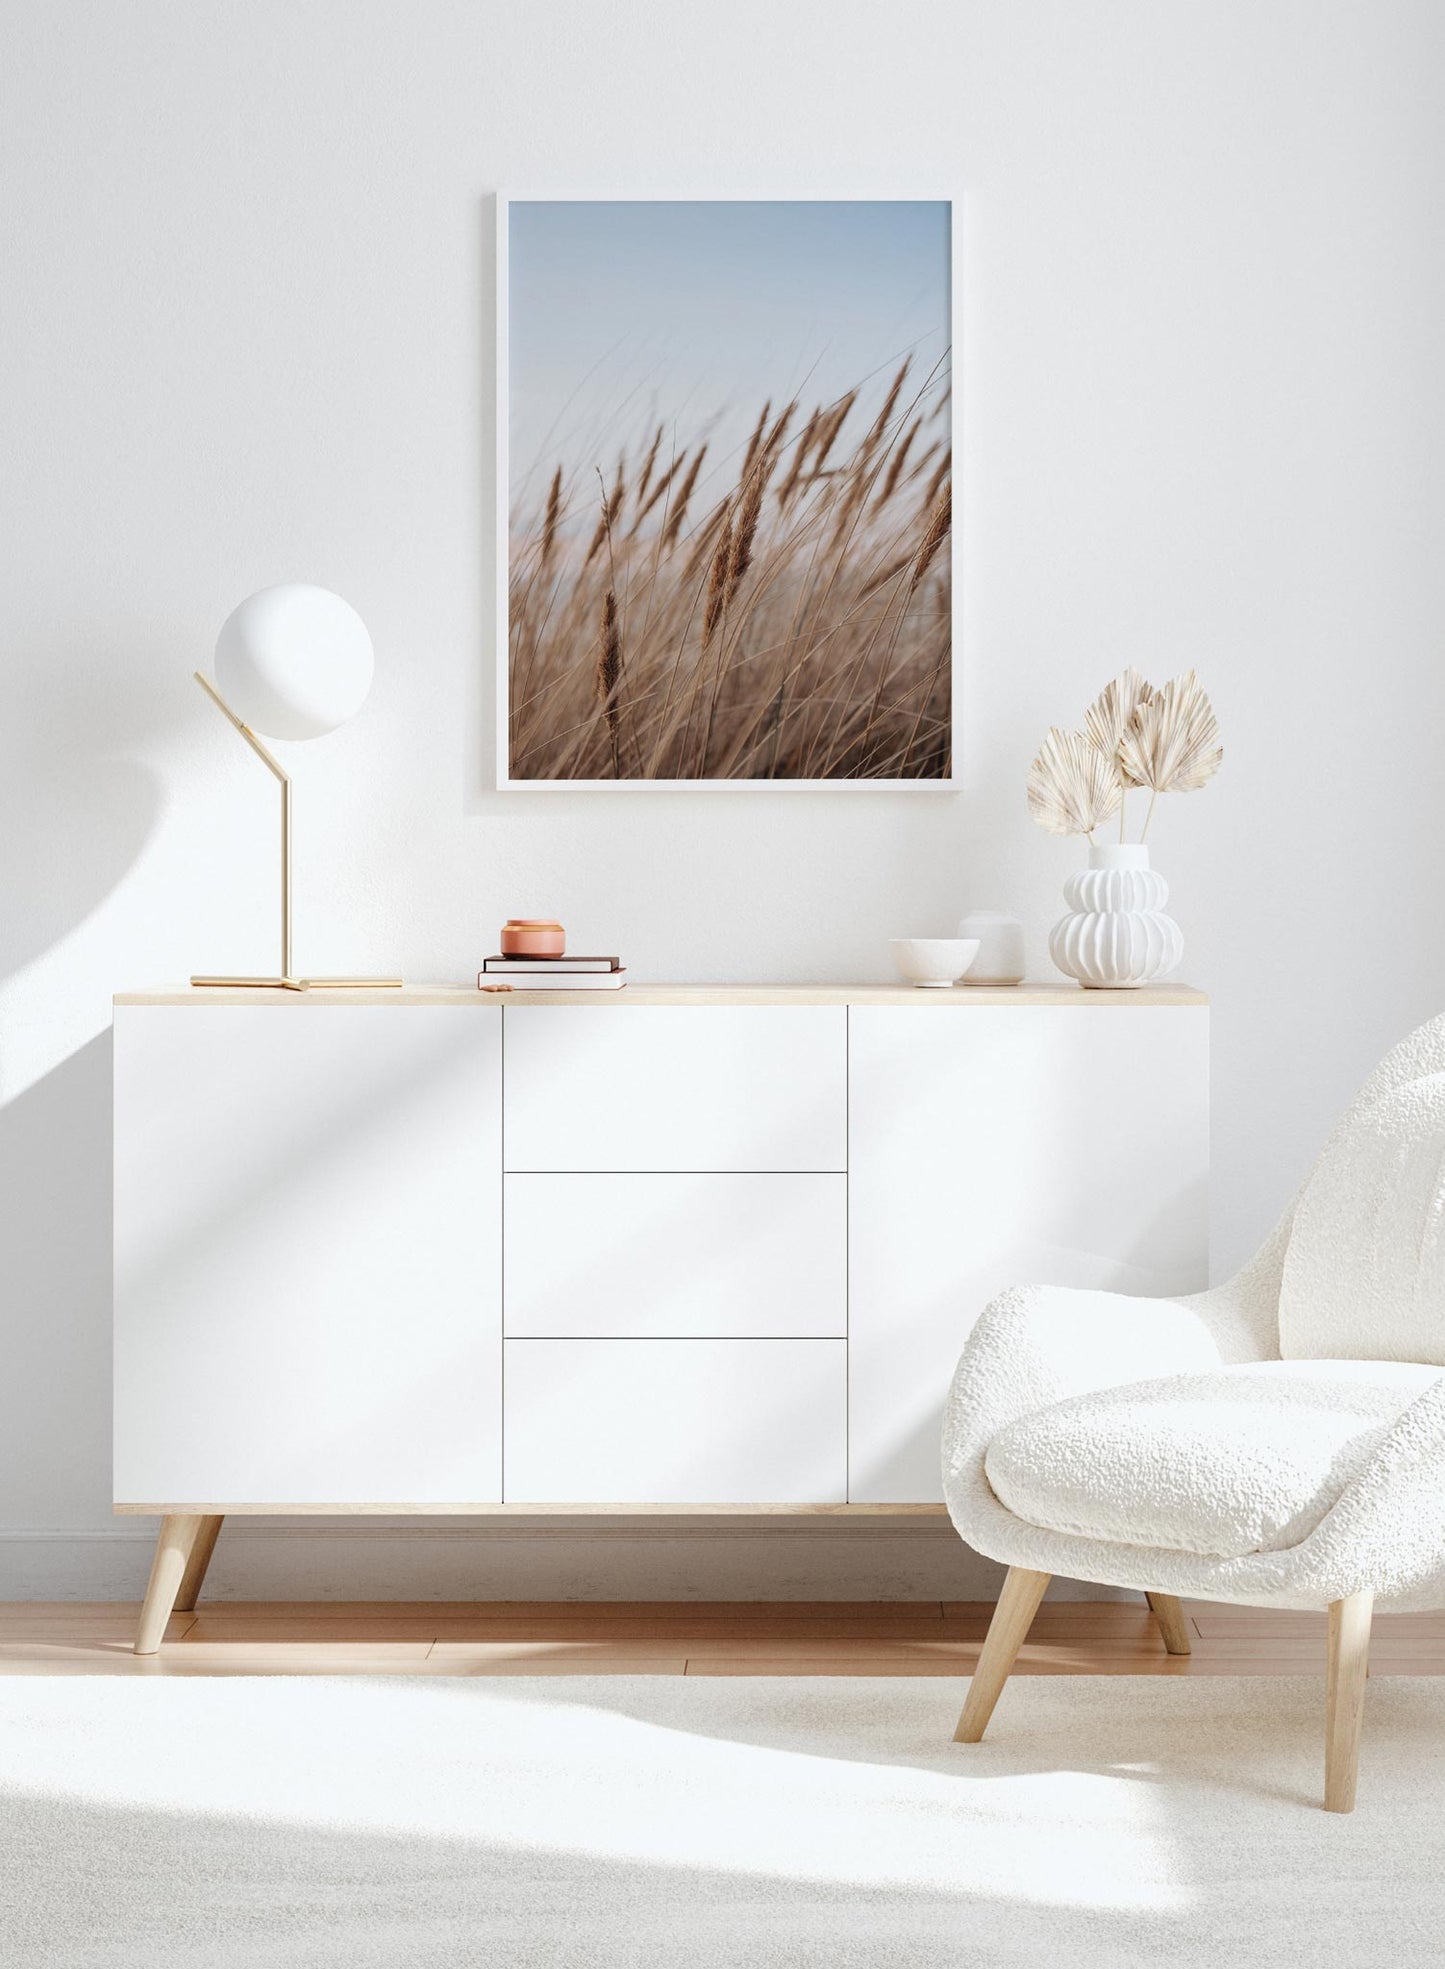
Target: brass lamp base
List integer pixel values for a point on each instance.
(300, 984)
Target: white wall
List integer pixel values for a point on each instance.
(245, 336)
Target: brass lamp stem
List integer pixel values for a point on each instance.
(285, 982)
(285, 875)
(273, 765)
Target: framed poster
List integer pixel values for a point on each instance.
(725, 553)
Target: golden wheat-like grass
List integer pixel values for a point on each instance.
(785, 613)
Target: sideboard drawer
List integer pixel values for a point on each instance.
(676, 1255)
(676, 1422)
(657, 1088)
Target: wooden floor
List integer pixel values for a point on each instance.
(929, 1637)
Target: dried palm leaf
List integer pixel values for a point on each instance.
(1172, 743)
(1072, 784)
(1108, 717)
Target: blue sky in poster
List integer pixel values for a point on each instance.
(624, 314)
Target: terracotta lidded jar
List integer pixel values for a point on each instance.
(533, 936)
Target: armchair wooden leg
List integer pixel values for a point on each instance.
(177, 1539)
(1346, 1665)
(1172, 1625)
(1017, 1605)
(194, 1576)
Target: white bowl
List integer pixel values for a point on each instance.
(937, 961)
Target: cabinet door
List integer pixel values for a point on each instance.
(307, 1254)
(631, 1256)
(676, 1087)
(995, 1146)
(677, 1421)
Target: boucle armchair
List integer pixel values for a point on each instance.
(1278, 1441)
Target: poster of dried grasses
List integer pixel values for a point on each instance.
(725, 511)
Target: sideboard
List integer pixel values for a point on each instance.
(714, 1249)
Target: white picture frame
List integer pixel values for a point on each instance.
(509, 781)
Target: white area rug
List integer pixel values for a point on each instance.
(439, 1824)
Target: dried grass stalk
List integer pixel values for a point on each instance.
(738, 539)
(774, 442)
(554, 513)
(881, 421)
(1073, 786)
(885, 574)
(755, 441)
(611, 506)
(749, 513)
(939, 524)
(828, 434)
(717, 581)
(1172, 741)
(898, 461)
(645, 476)
(930, 491)
(774, 729)
(703, 542)
(801, 451)
(609, 677)
(664, 481)
(684, 493)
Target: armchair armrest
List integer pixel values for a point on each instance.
(1387, 1532)
(1038, 1344)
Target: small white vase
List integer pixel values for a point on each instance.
(1000, 959)
(1116, 936)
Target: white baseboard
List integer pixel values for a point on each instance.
(564, 1561)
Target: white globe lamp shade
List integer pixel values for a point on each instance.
(294, 661)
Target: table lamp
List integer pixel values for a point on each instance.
(291, 662)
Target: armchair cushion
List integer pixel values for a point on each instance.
(1238, 1460)
(1364, 1276)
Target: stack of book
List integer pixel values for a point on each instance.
(552, 973)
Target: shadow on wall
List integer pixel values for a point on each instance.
(55, 1225)
(71, 838)
(77, 815)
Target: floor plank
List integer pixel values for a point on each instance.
(672, 1629)
(1397, 1626)
(959, 1670)
(814, 1638)
(531, 1611)
(581, 1652)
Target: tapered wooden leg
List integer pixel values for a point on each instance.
(173, 1550)
(1345, 1670)
(1172, 1624)
(194, 1576)
(1017, 1605)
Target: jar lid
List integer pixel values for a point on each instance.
(532, 923)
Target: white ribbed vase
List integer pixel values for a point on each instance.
(1116, 936)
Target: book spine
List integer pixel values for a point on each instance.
(578, 981)
(542, 967)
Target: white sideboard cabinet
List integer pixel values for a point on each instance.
(440, 1251)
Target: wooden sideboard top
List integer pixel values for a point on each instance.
(651, 994)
